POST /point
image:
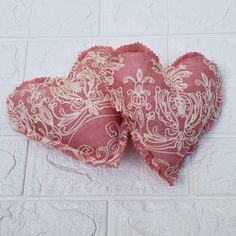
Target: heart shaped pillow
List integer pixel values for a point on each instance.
(73, 114)
(168, 108)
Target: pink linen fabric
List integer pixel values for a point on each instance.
(73, 114)
(168, 109)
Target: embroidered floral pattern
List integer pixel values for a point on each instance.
(168, 108)
(173, 76)
(138, 95)
(165, 109)
(62, 112)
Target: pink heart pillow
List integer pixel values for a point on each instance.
(73, 114)
(168, 108)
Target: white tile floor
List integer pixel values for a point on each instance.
(43, 192)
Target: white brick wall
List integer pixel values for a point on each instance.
(43, 192)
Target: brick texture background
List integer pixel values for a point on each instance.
(43, 192)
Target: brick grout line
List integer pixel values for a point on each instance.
(13, 137)
(28, 172)
(190, 178)
(168, 50)
(26, 59)
(121, 197)
(108, 218)
(168, 18)
(168, 31)
(25, 178)
(170, 34)
(30, 19)
(117, 36)
(100, 18)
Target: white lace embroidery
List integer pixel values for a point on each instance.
(173, 76)
(184, 115)
(138, 96)
(44, 118)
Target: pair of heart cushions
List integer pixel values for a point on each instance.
(110, 94)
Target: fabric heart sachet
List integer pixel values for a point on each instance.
(110, 93)
(74, 114)
(168, 109)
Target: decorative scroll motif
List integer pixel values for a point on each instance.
(169, 119)
(55, 109)
(173, 76)
(138, 96)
